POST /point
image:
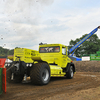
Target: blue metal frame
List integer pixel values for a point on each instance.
(84, 39)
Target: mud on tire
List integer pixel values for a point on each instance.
(40, 74)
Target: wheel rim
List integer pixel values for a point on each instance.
(71, 70)
(45, 75)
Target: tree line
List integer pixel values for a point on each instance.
(5, 52)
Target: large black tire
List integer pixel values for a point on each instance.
(17, 78)
(70, 72)
(40, 74)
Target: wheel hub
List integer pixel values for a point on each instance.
(45, 75)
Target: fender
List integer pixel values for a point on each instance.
(68, 66)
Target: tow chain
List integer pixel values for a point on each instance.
(10, 67)
(13, 64)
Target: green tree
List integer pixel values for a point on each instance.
(5, 52)
(90, 46)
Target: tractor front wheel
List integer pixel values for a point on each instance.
(70, 73)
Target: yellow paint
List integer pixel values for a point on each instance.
(56, 70)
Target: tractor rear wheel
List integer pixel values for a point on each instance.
(40, 74)
(16, 78)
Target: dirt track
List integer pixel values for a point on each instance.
(57, 89)
(84, 86)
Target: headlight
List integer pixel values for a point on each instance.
(5, 64)
(30, 65)
(8, 64)
(27, 65)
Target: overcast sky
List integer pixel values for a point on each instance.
(26, 23)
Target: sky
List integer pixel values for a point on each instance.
(26, 23)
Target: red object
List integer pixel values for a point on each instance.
(2, 62)
(4, 80)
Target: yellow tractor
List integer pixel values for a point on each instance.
(50, 61)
